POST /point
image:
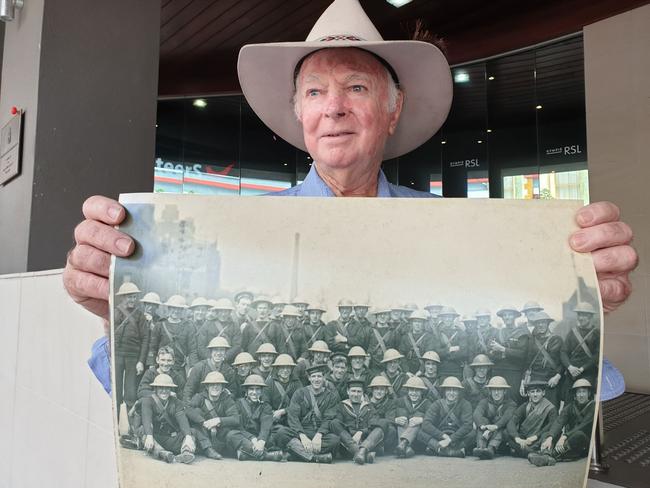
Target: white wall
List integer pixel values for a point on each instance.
(55, 418)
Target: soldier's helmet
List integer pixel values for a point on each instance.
(151, 297)
(254, 380)
(481, 360)
(283, 360)
(398, 307)
(357, 352)
(431, 356)
(127, 289)
(391, 355)
(290, 311)
(415, 382)
(379, 381)
(468, 318)
(541, 317)
(176, 301)
(199, 302)
(509, 308)
(243, 294)
(448, 311)
(243, 358)
(452, 382)
(299, 301)
(497, 382)
(433, 306)
(345, 302)
(261, 299)
(581, 383)
(214, 378)
(219, 342)
(584, 307)
(223, 304)
(211, 303)
(482, 312)
(278, 300)
(419, 314)
(532, 307)
(317, 307)
(266, 348)
(163, 380)
(362, 303)
(320, 346)
(382, 309)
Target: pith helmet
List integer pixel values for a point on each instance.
(391, 355)
(151, 297)
(581, 383)
(419, 314)
(541, 317)
(431, 356)
(199, 302)
(379, 381)
(290, 311)
(283, 360)
(452, 382)
(482, 360)
(261, 299)
(317, 307)
(219, 342)
(254, 380)
(266, 348)
(127, 289)
(497, 382)
(176, 301)
(163, 380)
(415, 382)
(320, 346)
(345, 302)
(243, 358)
(584, 307)
(532, 306)
(357, 351)
(448, 311)
(509, 308)
(482, 312)
(214, 378)
(223, 304)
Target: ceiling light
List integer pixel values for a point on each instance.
(461, 77)
(398, 3)
(200, 103)
(489, 130)
(490, 78)
(284, 164)
(539, 107)
(479, 141)
(443, 142)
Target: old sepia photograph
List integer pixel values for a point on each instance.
(318, 342)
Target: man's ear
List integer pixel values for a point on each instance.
(394, 116)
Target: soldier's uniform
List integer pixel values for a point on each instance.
(202, 408)
(489, 412)
(289, 341)
(413, 345)
(381, 340)
(396, 380)
(404, 407)
(432, 384)
(178, 336)
(319, 332)
(452, 362)
(359, 333)
(198, 373)
(529, 420)
(474, 391)
(279, 394)
(385, 419)
(543, 359)
(511, 363)
(145, 390)
(216, 328)
(256, 333)
(342, 328)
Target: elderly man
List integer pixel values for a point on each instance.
(358, 100)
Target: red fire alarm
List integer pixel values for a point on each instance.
(14, 110)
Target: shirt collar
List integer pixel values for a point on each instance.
(314, 186)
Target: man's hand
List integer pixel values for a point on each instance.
(258, 446)
(608, 240)
(415, 421)
(574, 371)
(552, 382)
(277, 414)
(188, 444)
(492, 427)
(148, 442)
(547, 445)
(212, 423)
(306, 443)
(530, 440)
(139, 368)
(401, 421)
(446, 440)
(560, 447)
(521, 442)
(316, 442)
(86, 271)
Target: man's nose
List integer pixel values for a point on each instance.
(336, 104)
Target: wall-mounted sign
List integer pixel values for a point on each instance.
(564, 150)
(467, 163)
(10, 148)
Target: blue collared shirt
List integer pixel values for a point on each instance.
(313, 186)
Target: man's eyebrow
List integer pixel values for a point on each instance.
(311, 77)
(357, 76)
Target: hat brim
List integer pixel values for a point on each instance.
(266, 78)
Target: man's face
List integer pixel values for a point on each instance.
(361, 312)
(163, 392)
(314, 316)
(214, 389)
(262, 310)
(584, 320)
(284, 372)
(451, 394)
(175, 313)
(418, 326)
(198, 313)
(530, 313)
(277, 309)
(266, 360)
(395, 314)
(242, 305)
(357, 362)
(582, 395)
(338, 370)
(447, 321)
(316, 380)
(536, 394)
(345, 312)
(541, 327)
(342, 100)
(302, 308)
(217, 354)
(379, 392)
(243, 370)
(223, 315)
(392, 366)
(508, 317)
(289, 321)
(481, 371)
(382, 318)
(483, 321)
(414, 394)
(497, 394)
(165, 362)
(254, 393)
(320, 357)
(355, 394)
(211, 314)
(430, 368)
(130, 300)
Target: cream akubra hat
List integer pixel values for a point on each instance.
(266, 76)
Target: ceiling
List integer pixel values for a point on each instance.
(200, 39)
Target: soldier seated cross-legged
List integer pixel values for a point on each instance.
(475, 384)
(281, 385)
(384, 407)
(491, 418)
(409, 415)
(392, 371)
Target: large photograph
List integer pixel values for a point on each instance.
(313, 342)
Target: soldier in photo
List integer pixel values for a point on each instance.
(508, 350)
(491, 418)
(337, 377)
(317, 330)
(398, 321)
(258, 331)
(288, 335)
(356, 425)
(362, 329)
(392, 371)
(253, 439)
(221, 326)
(216, 362)
(433, 308)
(478, 334)
(429, 374)
(278, 304)
(382, 338)
(164, 365)
(281, 385)
(341, 326)
(310, 413)
(543, 361)
(174, 331)
(317, 353)
(131, 342)
(384, 407)
(416, 340)
(214, 414)
(409, 416)
(358, 371)
(301, 304)
(243, 364)
(531, 421)
(265, 356)
(447, 429)
(166, 431)
(241, 314)
(454, 356)
(581, 348)
(475, 385)
(529, 310)
(198, 311)
(568, 437)
(151, 311)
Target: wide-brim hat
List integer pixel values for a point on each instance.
(266, 75)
